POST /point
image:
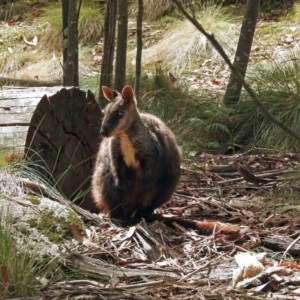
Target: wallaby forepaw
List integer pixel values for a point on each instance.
(123, 185)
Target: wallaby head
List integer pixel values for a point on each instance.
(120, 112)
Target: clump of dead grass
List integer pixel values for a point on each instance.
(89, 26)
(11, 62)
(14, 10)
(154, 9)
(185, 47)
(51, 40)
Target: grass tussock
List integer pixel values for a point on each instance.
(17, 275)
(23, 269)
(13, 10)
(296, 9)
(154, 9)
(277, 83)
(90, 29)
(51, 40)
(22, 274)
(30, 246)
(194, 47)
(29, 65)
(11, 62)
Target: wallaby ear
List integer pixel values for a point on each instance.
(108, 93)
(128, 94)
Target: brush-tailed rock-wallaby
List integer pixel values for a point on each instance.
(138, 163)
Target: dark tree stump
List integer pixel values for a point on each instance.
(63, 140)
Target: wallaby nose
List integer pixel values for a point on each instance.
(103, 132)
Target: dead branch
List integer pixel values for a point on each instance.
(258, 176)
(250, 177)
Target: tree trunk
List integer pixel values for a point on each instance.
(139, 47)
(76, 58)
(71, 69)
(241, 59)
(65, 18)
(120, 68)
(62, 142)
(108, 48)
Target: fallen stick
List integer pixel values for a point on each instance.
(275, 173)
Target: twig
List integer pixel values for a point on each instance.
(96, 283)
(200, 268)
(26, 298)
(210, 202)
(77, 282)
(19, 201)
(45, 191)
(288, 248)
(140, 285)
(249, 176)
(258, 175)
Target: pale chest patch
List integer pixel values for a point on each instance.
(128, 152)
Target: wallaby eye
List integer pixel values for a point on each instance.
(117, 115)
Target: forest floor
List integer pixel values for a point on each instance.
(246, 246)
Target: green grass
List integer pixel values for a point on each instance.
(90, 83)
(89, 25)
(22, 271)
(47, 27)
(26, 244)
(277, 83)
(153, 9)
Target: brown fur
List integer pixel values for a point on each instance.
(138, 163)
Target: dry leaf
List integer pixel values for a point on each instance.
(4, 275)
(248, 267)
(77, 233)
(215, 82)
(12, 23)
(174, 80)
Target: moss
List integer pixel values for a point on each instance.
(288, 208)
(25, 231)
(57, 229)
(74, 219)
(33, 199)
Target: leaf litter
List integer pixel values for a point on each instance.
(155, 261)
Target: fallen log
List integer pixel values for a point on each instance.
(28, 82)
